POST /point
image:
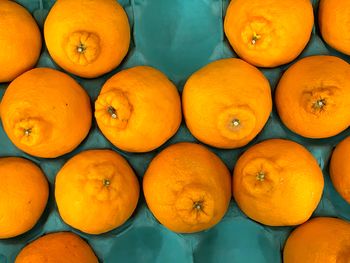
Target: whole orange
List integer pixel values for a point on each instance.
(269, 33)
(45, 113)
(20, 40)
(278, 183)
(226, 103)
(23, 196)
(322, 239)
(334, 21)
(60, 247)
(138, 109)
(340, 169)
(87, 37)
(313, 96)
(187, 188)
(104, 188)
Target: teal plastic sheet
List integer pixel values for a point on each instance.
(177, 37)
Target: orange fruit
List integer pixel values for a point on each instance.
(334, 21)
(87, 37)
(187, 188)
(45, 113)
(104, 188)
(138, 109)
(60, 247)
(20, 40)
(322, 239)
(340, 169)
(226, 103)
(269, 33)
(313, 96)
(278, 183)
(23, 196)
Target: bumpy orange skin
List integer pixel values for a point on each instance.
(322, 239)
(340, 169)
(221, 93)
(45, 113)
(187, 188)
(334, 21)
(138, 109)
(313, 96)
(20, 41)
(23, 196)
(269, 33)
(60, 247)
(87, 37)
(277, 183)
(104, 188)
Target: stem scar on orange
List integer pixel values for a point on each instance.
(278, 183)
(45, 113)
(59, 247)
(322, 239)
(313, 96)
(226, 103)
(340, 169)
(269, 33)
(20, 40)
(23, 196)
(87, 37)
(104, 188)
(187, 188)
(334, 21)
(138, 109)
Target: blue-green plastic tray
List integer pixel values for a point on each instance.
(177, 37)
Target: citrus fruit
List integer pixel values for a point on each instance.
(334, 21)
(322, 239)
(96, 191)
(226, 103)
(23, 195)
(138, 109)
(59, 247)
(278, 183)
(313, 96)
(87, 37)
(20, 40)
(187, 188)
(268, 33)
(45, 113)
(340, 169)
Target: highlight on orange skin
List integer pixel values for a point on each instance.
(187, 188)
(313, 96)
(46, 113)
(277, 183)
(138, 109)
(226, 103)
(268, 33)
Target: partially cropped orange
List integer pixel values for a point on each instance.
(138, 109)
(334, 21)
(96, 191)
(87, 37)
(60, 247)
(226, 103)
(278, 183)
(340, 169)
(313, 96)
(187, 188)
(45, 113)
(269, 33)
(20, 40)
(322, 239)
(23, 196)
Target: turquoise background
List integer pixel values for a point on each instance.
(177, 37)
